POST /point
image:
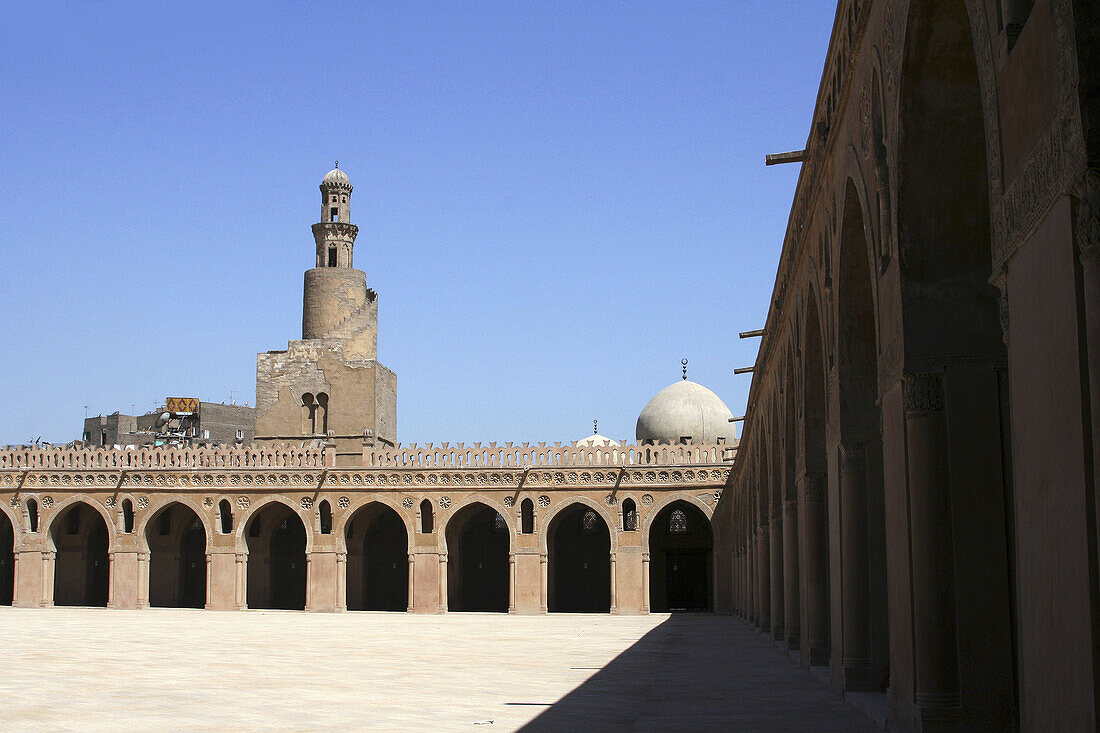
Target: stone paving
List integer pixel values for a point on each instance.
(76, 669)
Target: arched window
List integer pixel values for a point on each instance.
(332, 250)
(588, 522)
(32, 514)
(309, 414)
(630, 515)
(226, 516)
(326, 517)
(527, 516)
(499, 525)
(677, 522)
(426, 524)
(127, 516)
(321, 421)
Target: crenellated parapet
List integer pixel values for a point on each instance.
(156, 458)
(527, 455)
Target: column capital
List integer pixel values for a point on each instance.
(922, 393)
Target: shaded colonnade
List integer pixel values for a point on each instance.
(377, 560)
(681, 562)
(177, 558)
(81, 573)
(578, 561)
(478, 547)
(7, 560)
(276, 541)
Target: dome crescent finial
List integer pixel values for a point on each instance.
(684, 364)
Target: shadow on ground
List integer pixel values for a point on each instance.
(701, 672)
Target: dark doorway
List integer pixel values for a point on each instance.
(579, 562)
(276, 559)
(7, 560)
(687, 580)
(477, 569)
(378, 560)
(81, 567)
(680, 560)
(177, 558)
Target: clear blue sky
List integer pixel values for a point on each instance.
(556, 201)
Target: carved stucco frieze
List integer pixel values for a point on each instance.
(922, 394)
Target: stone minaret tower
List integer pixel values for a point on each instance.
(330, 386)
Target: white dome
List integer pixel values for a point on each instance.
(336, 177)
(595, 440)
(685, 410)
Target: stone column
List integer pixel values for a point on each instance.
(752, 575)
(1087, 238)
(442, 583)
(791, 597)
(855, 574)
(763, 577)
(342, 582)
(143, 579)
(813, 490)
(937, 702)
(511, 582)
(543, 607)
(49, 560)
(776, 581)
(411, 590)
(645, 582)
(614, 593)
(241, 585)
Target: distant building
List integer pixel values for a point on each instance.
(201, 423)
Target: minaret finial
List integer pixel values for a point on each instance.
(337, 164)
(684, 364)
(595, 427)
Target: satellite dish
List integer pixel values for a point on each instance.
(163, 419)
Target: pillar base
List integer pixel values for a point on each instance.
(858, 675)
(934, 712)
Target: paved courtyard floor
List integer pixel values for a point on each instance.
(79, 669)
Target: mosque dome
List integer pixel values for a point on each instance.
(685, 410)
(595, 440)
(336, 177)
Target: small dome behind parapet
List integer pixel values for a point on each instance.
(595, 440)
(685, 412)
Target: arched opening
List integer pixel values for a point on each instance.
(309, 414)
(276, 540)
(630, 515)
(478, 546)
(813, 504)
(865, 637)
(427, 515)
(32, 514)
(82, 565)
(177, 558)
(7, 560)
(680, 559)
(127, 516)
(578, 546)
(321, 420)
(378, 560)
(960, 634)
(527, 516)
(324, 516)
(225, 516)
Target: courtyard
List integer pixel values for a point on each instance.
(173, 669)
